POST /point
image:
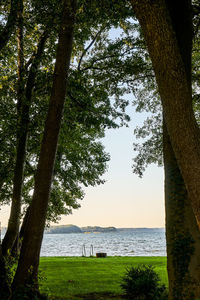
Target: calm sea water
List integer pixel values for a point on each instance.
(137, 242)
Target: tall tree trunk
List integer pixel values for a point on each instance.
(14, 220)
(182, 232)
(29, 258)
(175, 92)
(23, 108)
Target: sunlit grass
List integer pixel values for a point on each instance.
(91, 278)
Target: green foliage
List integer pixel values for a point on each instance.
(94, 99)
(81, 159)
(150, 150)
(143, 283)
(11, 265)
(29, 291)
(4, 278)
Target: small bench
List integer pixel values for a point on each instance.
(101, 254)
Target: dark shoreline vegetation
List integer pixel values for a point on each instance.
(90, 229)
(69, 228)
(90, 277)
(75, 229)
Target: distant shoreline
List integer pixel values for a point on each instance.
(93, 229)
(59, 229)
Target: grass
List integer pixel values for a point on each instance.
(91, 278)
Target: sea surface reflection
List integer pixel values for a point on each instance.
(135, 242)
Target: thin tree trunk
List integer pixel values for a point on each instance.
(29, 258)
(14, 220)
(175, 92)
(18, 242)
(23, 107)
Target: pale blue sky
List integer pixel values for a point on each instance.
(124, 200)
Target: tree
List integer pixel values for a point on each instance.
(176, 100)
(183, 238)
(24, 97)
(37, 79)
(183, 274)
(29, 257)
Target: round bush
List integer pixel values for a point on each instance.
(143, 283)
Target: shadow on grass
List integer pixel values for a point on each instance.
(91, 296)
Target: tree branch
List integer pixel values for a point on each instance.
(40, 47)
(7, 30)
(103, 58)
(88, 47)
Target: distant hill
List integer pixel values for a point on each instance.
(64, 229)
(93, 229)
(75, 229)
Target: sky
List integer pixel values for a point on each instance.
(124, 200)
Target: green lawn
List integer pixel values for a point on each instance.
(91, 278)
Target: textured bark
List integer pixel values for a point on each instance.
(29, 258)
(8, 29)
(23, 107)
(175, 92)
(182, 232)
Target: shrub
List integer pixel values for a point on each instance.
(143, 283)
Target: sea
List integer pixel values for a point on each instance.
(130, 242)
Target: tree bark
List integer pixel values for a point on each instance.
(182, 232)
(29, 258)
(23, 108)
(175, 92)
